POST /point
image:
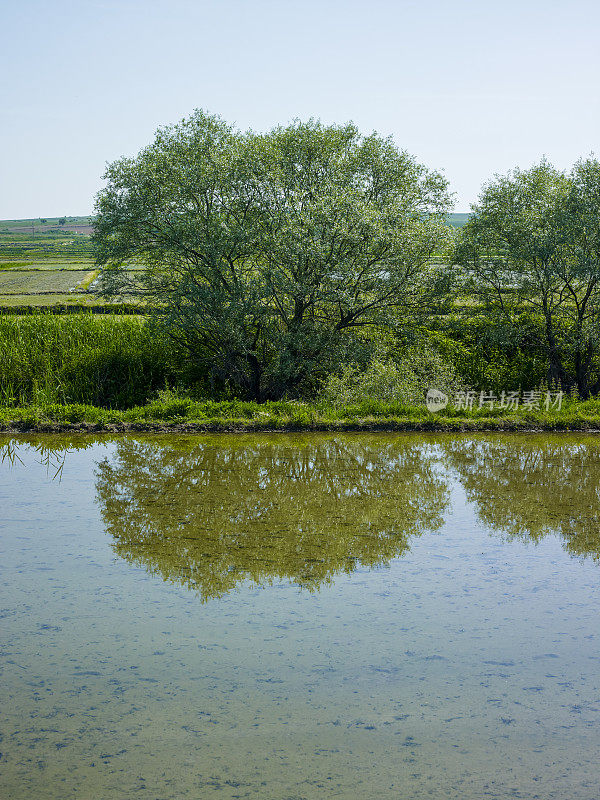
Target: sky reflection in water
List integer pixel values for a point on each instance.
(407, 615)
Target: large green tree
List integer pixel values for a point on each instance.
(261, 254)
(531, 251)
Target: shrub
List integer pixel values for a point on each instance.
(403, 380)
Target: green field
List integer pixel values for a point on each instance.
(31, 282)
(184, 415)
(43, 264)
(46, 264)
(46, 228)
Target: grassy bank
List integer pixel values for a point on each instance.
(90, 372)
(182, 414)
(110, 360)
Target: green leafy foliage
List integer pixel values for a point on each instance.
(532, 246)
(404, 379)
(261, 252)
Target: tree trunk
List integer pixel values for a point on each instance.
(583, 363)
(255, 377)
(556, 372)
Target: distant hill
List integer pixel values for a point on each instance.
(45, 225)
(48, 225)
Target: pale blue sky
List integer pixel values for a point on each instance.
(471, 88)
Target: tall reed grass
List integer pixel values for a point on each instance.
(109, 361)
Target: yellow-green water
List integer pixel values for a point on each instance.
(300, 617)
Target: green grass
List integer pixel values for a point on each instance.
(240, 416)
(102, 370)
(180, 413)
(73, 303)
(24, 302)
(104, 360)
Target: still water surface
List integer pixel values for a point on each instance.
(300, 617)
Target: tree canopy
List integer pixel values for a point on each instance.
(532, 246)
(260, 254)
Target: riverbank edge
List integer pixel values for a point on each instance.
(374, 425)
(174, 414)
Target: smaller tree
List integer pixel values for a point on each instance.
(531, 246)
(581, 225)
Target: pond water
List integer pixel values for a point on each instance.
(298, 617)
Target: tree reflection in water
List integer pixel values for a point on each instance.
(209, 513)
(527, 487)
